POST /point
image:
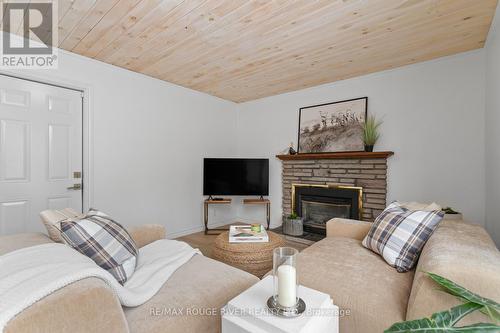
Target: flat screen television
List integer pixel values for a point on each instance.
(236, 176)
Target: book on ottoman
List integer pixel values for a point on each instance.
(247, 234)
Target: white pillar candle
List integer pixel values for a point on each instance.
(287, 284)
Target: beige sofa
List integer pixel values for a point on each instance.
(371, 293)
(202, 284)
(374, 295)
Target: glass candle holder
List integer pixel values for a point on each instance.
(285, 276)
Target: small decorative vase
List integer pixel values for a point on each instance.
(285, 300)
(293, 227)
(368, 148)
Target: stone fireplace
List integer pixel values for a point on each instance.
(319, 187)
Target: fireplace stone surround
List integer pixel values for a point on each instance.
(365, 172)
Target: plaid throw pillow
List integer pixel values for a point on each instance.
(399, 234)
(103, 240)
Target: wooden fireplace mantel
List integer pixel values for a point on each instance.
(341, 155)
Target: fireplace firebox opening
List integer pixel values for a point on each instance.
(317, 204)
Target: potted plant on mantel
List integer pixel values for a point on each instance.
(371, 133)
(293, 225)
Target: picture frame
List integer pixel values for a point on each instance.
(332, 127)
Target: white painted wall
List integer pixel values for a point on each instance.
(149, 137)
(493, 130)
(434, 121)
(149, 140)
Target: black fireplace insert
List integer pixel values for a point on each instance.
(317, 204)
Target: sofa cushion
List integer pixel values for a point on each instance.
(14, 242)
(52, 219)
(463, 253)
(142, 235)
(88, 305)
(358, 280)
(339, 227)
(146, 233)
(413, 205)
(399, 234)
(191, 299)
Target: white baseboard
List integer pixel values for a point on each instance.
(215, 225)
(195, 229)
(172, 235)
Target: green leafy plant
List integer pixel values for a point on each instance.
(370, 131)
(293, 216)
(445, 321)
(449, 210)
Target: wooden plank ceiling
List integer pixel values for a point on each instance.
(242, 50)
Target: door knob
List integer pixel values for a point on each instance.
(75, 187)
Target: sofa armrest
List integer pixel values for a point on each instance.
(88, 305)
(146, 234)
(355, 229)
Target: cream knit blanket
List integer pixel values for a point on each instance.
(29, 274)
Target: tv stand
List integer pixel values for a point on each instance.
(219, 201)
(206, 204)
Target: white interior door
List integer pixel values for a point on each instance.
(40, 152)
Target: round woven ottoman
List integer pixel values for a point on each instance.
(255, 258)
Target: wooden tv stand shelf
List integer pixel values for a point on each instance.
(249, 201)
(218, 202)
(256, 201)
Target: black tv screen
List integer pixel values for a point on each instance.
(236, 176)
